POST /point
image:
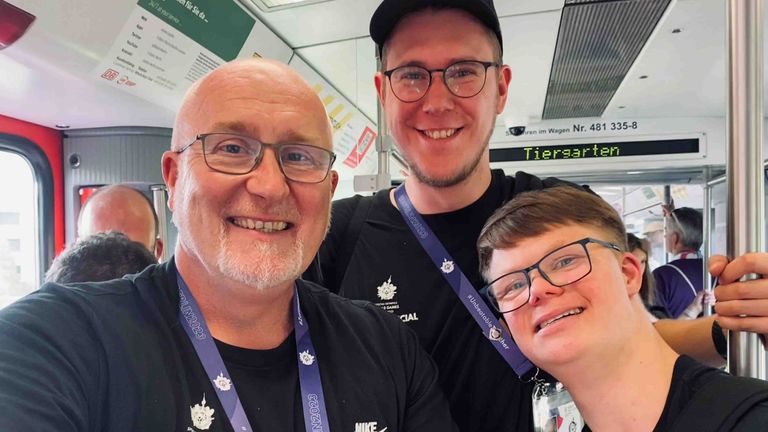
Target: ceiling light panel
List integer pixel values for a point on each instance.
(597, 44)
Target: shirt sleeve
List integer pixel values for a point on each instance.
(48, 367)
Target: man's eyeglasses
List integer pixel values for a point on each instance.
(564, 265)
(239, 154)
(464, 79)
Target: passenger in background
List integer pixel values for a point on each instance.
(639, 249)
(224, 337)
(123, 209)
(679, 281)
(569, 291)
(99, 257)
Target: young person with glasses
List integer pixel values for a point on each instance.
(441, 85)
(567, 287)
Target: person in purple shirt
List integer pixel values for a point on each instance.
(679, 281)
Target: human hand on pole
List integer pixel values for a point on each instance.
(667, 209)
(741, 305)
(703, 298)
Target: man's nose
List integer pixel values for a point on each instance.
(267, 179)
(438, 97)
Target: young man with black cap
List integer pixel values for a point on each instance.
(442, 84)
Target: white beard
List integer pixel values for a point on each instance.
(274, 267)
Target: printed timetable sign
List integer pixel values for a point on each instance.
(596, 150)
(219, 26)
(166, 45)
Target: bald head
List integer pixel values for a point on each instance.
(122, 209)
(225, 190)
(279, 88)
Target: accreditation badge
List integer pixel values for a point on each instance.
(554, 409)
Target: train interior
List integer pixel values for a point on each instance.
(636, 91)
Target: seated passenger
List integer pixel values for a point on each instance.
(100, 257)
(568, 291)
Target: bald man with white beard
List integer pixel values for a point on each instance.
(224, 336)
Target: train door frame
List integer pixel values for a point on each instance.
(44, 201)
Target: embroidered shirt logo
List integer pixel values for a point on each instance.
(223, 383)
(494, 333)
(306, 358)
(387, 290)
(447, 266)
(368, 427)
(202, 416)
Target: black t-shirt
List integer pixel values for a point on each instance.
(688, 379)
(113, 357)
(389, 268)
(261, 378)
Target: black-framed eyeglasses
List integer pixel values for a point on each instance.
(463, 79)
(237, 154)
(562, 266)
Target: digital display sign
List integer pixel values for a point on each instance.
(595, 150)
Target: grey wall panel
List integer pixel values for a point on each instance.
(108, 156)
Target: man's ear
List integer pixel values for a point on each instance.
(505, 77)
(633, 273)
(170, 168)
(159, 247)
(334, 181)
(677, 238)
(379, 81)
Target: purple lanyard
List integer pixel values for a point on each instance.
(313, 401)
(476, 307)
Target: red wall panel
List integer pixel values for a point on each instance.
(50, 141)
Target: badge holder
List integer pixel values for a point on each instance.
(553, 408)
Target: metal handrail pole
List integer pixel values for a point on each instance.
(744, 169)
(706, 246)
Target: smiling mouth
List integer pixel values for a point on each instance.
(438, 134)
(258, 225)
(575, 311)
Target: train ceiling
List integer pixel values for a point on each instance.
(47, 77)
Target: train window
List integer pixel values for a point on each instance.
(640, 207)
(18, 225)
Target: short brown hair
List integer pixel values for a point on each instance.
(534, 213)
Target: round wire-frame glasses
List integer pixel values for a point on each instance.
(465, 79)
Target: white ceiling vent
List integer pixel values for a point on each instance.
(598, 42)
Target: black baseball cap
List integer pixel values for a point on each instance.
(390, 12)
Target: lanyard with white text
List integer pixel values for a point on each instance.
(313, 401)
(468, 295)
